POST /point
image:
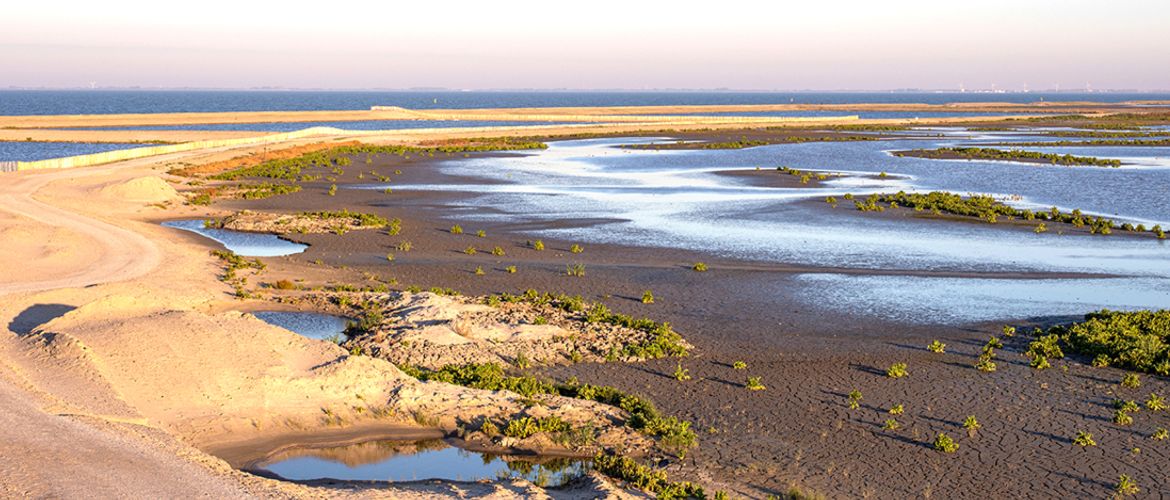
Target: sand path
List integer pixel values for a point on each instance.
(120, 254)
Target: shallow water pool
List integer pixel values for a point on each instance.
(309, 324)
(242, 243)
(417, 460)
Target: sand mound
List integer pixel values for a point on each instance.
(442, 320)
(143, 189)
(221, 378)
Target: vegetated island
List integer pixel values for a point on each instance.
(990, 210)
(1097, 142)
(1008, 155)
(1135, 340)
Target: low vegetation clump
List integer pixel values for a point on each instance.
(1126, 487)
(644, 417)
(891, 424)
(699, 267)
(334, 158)
(1137, 340)
(577, 270)
(1131, 381)
(233, 265)
(972, 424)
(525, 427)
(985, 208)
(897, 409)
(1160, 434)
(945, 444)
(1100, 142)
(358, 219)
(576, 248)
(1010, 155)
(937, 347)
(854, 399)
(647, 297)
(1084, 439)
(645, 478)
(662, 340)
(1155, 402)
(266, 190)
(537, 245)
(897, 370)
(681, 374)
(456, 229)
(754, 384)
(739, 365)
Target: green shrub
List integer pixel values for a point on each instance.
(937, 347)
(577, 270)
(1013, 155)
(481, 233)
(576, 248)
(897, 370)
(891, 424)
(739, 365)
(1155, 402)
(1160, 434)
(647, 297)
(754, 384)
(1120, 417)
(645, 478)
(700, 267)
(1138, 340)
(1131, 381)
(470, 250)
(498, 251)
(1126, 487)
(456, 229)
(985, 364)
(681, 374)
(854, 399)
(945, 444)
(510, 269)
(536, 245)
(971, 424)
(1084, 439)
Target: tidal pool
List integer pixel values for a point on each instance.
(417, 460)
(673, 198)
(313, 325)
(242, 243)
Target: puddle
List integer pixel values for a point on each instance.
(313, 325)
(242, 243)
(417, 460)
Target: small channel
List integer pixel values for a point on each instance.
(242, 243)
(417, 460)
(313, 325)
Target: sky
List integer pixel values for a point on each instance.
(598, 44)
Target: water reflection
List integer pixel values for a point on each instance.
(240, 242)
(417, 460)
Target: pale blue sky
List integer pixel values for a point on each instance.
(827, 45)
